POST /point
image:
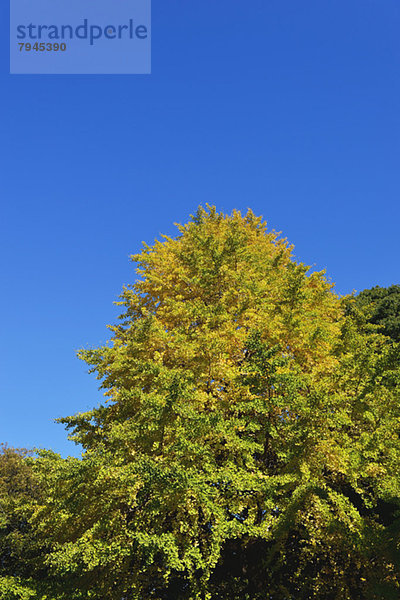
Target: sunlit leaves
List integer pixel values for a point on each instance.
(248, 446)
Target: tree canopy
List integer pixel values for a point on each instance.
(382, 306)
(248, 446)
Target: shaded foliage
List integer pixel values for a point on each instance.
(382, 306)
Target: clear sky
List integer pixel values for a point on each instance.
(291, 108)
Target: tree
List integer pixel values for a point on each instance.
(382, 306)
(22, 571)
(249, 443)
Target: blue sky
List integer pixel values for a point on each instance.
(290, 108)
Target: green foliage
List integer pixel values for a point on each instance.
(21, 552)
(248, 446)
(382, 307)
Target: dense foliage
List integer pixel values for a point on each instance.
(382, 306)
(23, 574)
(249, 444)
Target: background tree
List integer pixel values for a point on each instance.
(382, 306)
(22, 569)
